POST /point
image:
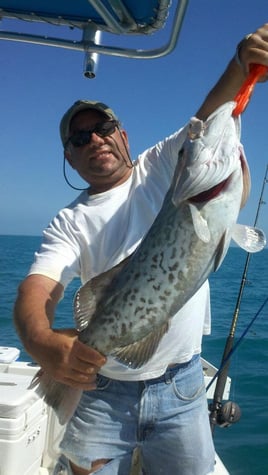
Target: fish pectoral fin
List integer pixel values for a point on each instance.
(220, 252)
(90, 295)
(62, 398)
(251, 239)
(200, 224)
(138, 353)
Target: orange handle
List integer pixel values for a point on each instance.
(244, 93)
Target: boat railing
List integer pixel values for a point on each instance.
(93, 17)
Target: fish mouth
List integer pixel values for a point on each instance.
(211, 193)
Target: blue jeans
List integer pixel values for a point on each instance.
(166, 417)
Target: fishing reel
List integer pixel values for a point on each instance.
(226, 414)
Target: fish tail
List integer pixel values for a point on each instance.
(62, 398)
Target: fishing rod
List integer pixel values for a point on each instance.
(240, 339)
(229, 413)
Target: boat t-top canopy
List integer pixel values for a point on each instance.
(92, 17)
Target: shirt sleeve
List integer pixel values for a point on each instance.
(59, 255)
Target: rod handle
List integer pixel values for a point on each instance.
(243, 96)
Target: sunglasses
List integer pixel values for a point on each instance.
(83, 137)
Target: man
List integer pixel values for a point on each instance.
(160, 408)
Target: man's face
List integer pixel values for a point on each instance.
(104, 162)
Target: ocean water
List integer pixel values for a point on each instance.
(243, 447)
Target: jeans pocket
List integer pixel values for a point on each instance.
(102, 382)
(189, 384)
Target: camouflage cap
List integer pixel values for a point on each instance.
(79, 106)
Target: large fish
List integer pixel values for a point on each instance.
(125, 311)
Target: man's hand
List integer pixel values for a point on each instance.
(59, 352)
(253, 49)
(69, 361)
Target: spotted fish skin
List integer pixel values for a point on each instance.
(125, 312)
(187, 241)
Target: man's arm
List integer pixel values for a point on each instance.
(59, 353)
(253, 49)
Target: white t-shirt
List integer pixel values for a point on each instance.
(96, 232)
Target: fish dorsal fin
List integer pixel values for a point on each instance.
(138, 353)
(251, 239)
(200, 224)
(88, 297)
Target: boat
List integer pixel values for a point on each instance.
(29, 430)
(92, 18)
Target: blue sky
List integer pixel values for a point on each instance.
(152, 98)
